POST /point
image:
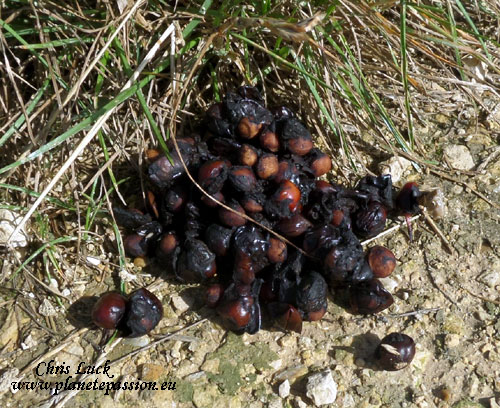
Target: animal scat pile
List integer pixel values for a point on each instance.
(262, 162)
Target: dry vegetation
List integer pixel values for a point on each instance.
(371, 79)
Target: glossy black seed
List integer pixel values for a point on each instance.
(196, 262)
(109, 310)
(395, 352)
(370, 220)
(407, 199)
(144, 312)
(218, 239)
(311, 294)
(368, 297)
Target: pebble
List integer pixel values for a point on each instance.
(126, 276)
(299, 403)
(321, 388)
(291, 373)
(28, 342)
(284, 389)
(47, 309)
(137, 341)
(8, 222)
(92, 260)
(389, 283)
(395, 166)
(179, 303)
(459, 157)
(490, 278)
(7, 378)
(276, 364)
(195, 376)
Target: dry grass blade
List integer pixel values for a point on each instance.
(93, 131)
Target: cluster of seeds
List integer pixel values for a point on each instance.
(134, 316)
(261, 164)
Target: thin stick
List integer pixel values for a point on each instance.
(53, 351)
(388, 231)
(101, 52)
(97, 126)
(156, 342)
(416, 312)
(67, 395)
(437, 230)
(496, 302)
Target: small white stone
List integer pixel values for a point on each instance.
(46, 308)
(299, 403)
(389, 283)
(126, 276)
(276, 364)
(92, 260)
(395, 166)
(28, 342)
(459, 157)
(321, 388)
(8, 223)
(7, 378)
(137, 341)
(179, 303)
(490, 278)
(284, 389)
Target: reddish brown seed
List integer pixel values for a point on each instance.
(168, 243)
(135, 245)
(268, 166)
(300, 145)
(251, 205)
(231, 219)
(290, 319)
(382, 261)
(152, 154)
(277, 251)
(338, 217)
(317, 315)
(211, 203)
(368, 297)
(266, 292)
(395, 352)
(248, 129)
(321, 164)
(269, 140)
(290, 192)
(248, 155)
(212, 175)
(294, 226)
(323, 186)
(214, 294)
(109, 310)
(244, 272)
(152, 203)
(370, 221)
(236, 314)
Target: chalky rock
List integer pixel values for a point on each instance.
(321, 388)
